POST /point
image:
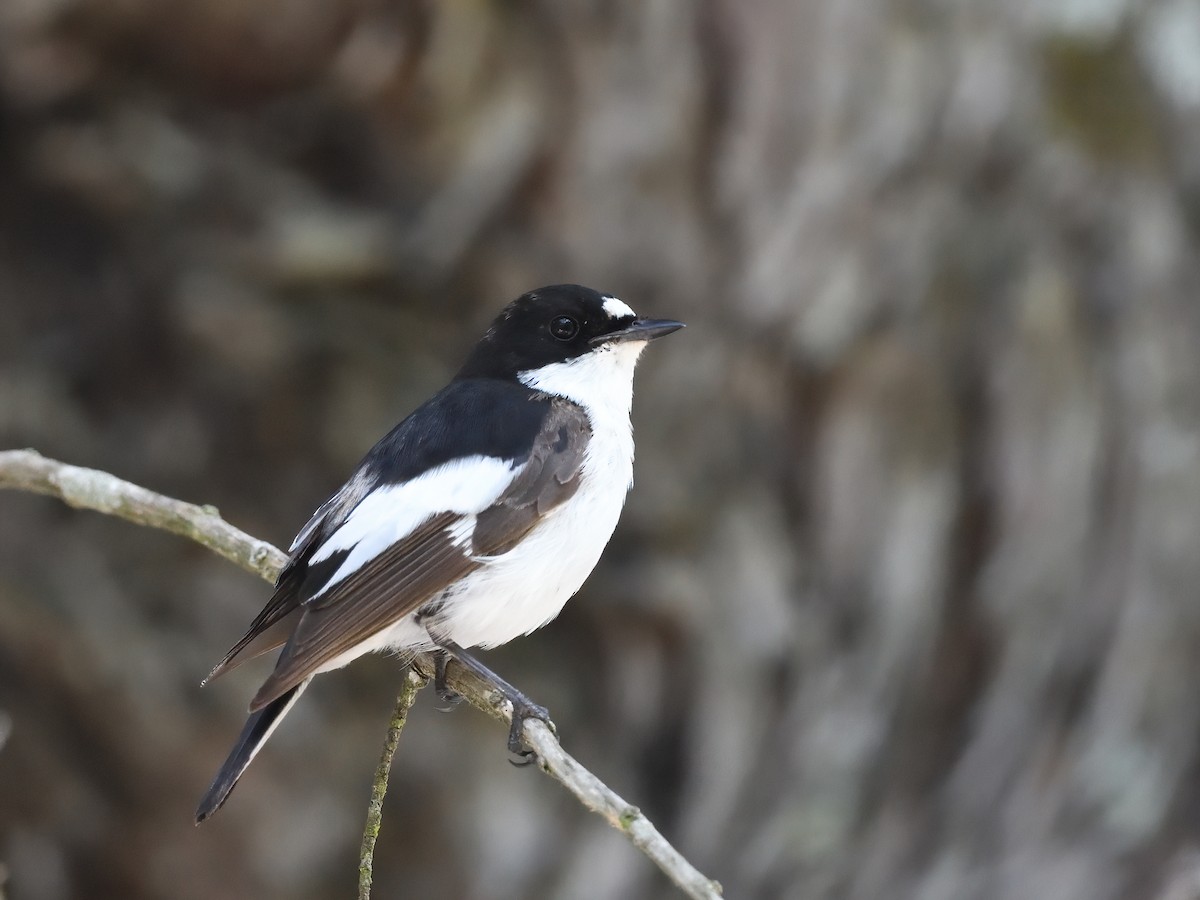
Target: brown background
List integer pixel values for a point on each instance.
(904, 603)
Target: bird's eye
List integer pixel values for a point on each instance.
(564, 328)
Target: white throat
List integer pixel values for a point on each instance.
(600, 381)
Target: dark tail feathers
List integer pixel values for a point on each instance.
(254, 734)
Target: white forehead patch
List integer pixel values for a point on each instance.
(618, 310)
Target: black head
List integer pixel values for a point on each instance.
(556, 324)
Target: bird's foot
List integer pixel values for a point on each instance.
(449, 697)
(523, 708)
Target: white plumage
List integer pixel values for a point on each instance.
(527, 453)
(388, 514)
(519, 591)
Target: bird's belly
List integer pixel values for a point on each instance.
(520, 591)
(517, 592)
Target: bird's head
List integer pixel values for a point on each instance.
(567, 340)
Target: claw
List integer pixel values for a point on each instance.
(448, 696)
(522, 707)
(522, 758)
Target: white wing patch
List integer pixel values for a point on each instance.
(324, 508)
(386, 515)
(617, 309)
(309, 528)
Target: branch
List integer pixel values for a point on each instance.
(91, 489)
(413, 682)
(28, 470)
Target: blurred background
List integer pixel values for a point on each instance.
(904, 603)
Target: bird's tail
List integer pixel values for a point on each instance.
(254, 734)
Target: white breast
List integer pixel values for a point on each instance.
(527, 587)
(520, 591)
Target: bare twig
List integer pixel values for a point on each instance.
(413, 682)
(91, 489)
(28, 470)
(587, 788)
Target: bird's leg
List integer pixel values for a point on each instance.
(448, 696)
(522, 707)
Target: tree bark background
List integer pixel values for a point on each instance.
(904, 603)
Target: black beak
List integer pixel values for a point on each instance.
(639, 330)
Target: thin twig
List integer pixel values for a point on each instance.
(28, 470)
(91, 489)
(413, 682)
(587, 788)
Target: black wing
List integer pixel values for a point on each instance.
(470, 417)
(272, 626)
(397, 581)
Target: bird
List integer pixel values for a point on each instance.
(470, 523)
